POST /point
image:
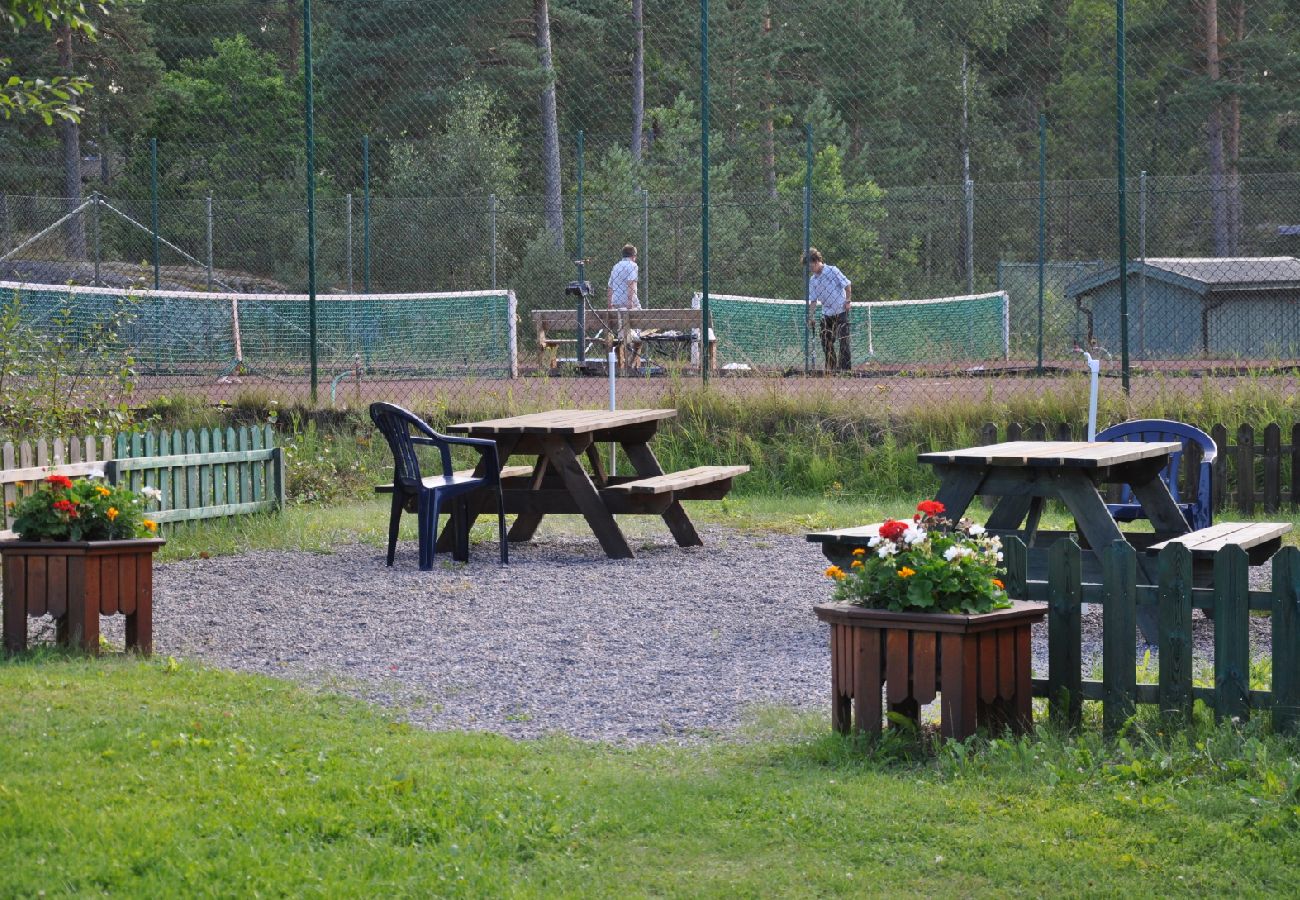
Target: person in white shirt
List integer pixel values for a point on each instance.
(622, 281)
(830, 287)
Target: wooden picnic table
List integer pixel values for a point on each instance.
(557, 483)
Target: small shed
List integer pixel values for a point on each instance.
(1212, 308)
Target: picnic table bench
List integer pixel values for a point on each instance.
(651, 324)
(557, 483)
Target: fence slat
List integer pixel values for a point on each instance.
(989, 434)
(1064, 431)
(1295, 464)
(74, 450)
(232, 471)
(255, 470)
(1065, 634)
(1246, 469)
(1014, 431)
(10, 491)
(245, 482)
(268, 467)
(1286, 640)
(142, 445)
(1175, 640)
(1272, 467)
(1219, 467)
(1231, 632)
(177, 473)
(205, 472)
(1038, 432)
(1119, 636)
(218, 472)
(1015, 560)
(192, 498)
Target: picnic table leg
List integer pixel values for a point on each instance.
(446, 538)
(526, 523)
(646, 464)
(584, 493)
(958, 488)
(1151, 491)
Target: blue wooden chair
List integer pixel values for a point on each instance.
(425, 496)
(1198, 512)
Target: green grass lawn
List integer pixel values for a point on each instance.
(152, 778)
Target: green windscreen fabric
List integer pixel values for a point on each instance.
(768, 333)
(191, 332)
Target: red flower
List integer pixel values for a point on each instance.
(59, 481)
(893, 530)
(66, 506)
(930, 507)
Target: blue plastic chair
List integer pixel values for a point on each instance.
(1199, 513)
(425, 496)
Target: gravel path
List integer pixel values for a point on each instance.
(672, 646)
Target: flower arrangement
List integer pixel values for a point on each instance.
(927, 564)
(83, 510)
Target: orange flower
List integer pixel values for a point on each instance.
(997, 583)
(103, 491)
(112, 513)
(857, 564)
(859, 552)
(906, 572)
(150, 524)
(835, 572)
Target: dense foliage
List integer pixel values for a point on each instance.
(61, 509)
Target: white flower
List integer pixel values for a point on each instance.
(914, 534)
(999, 556)
(975, 529)
(886, 550)
(151, 493)
(957, 552)
(874, 542)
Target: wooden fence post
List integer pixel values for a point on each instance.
(1175, 636)
(1064, 633)
(1220, 467)
(1119, 636)
(1231, 633)
(1246, 469)
(1272, 468)
(1015, 558)
(1286, 640)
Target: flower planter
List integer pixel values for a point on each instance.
(979, 664)
(76, 582)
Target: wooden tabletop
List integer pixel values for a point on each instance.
(1063, 454)
(562, 421)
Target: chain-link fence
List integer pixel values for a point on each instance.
(956, 161)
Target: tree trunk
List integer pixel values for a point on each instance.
(769, 127)
(1214, 136)
(70, 133)
(638, 78)
(1232, 141)
(293, 39)
(553, 203)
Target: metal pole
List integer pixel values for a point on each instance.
(807, 243)
(153, 210)
(1142, 254)
(704, 191)
(611, 366)
(582, 263)
(969, 254)
(208, 210)
(492, 227)
(365, 214)
(1121, 162)
(310, 116)
(95, 225)
(1042, 228)
(348, 227)
(645, 248)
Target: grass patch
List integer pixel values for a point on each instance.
(157, 777)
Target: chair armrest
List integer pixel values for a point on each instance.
(472, 442)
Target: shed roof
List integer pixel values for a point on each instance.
(1205, 274)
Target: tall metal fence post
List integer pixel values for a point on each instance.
(1121, 163)
(95, 226)
(968, 252)
(365, 213)
(5, 228)
(704, 191)
(310, 117)
(1142, 255)
(645, 247)
(208, 225)
(1042, 228)
(807, 244)
(492, 228)
(347, 227)
(153, 211)
(582, 262)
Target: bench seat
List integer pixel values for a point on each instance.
(506, 472)
(1256, 537)
(687, 479)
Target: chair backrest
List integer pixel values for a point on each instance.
(395, 423)
(1168, 430)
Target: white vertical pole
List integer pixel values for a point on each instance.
(207, 212)
(645, 248)
(1094, 369)
(347, 226)
(612, 365)
(492, 222)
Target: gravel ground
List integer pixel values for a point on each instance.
(673, 646)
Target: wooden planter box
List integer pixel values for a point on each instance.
(980, 664)
(76, 583)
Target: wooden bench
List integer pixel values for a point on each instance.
(614, 321)
(700, 483)
(506, 472)
(1260, 540)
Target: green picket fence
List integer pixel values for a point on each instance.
(206, 474)
(1120, 593)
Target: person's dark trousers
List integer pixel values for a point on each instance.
(835, 342)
